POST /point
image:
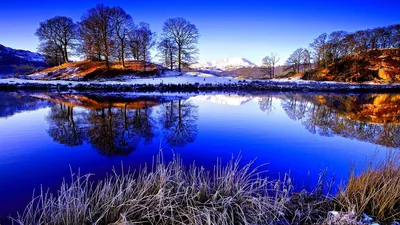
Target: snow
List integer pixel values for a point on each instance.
(168, 79)
(224, 64)
(203, 81)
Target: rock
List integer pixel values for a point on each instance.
(385, 74)
(333, 213)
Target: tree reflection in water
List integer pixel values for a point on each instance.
(179, 120)
(63, 127)
(116, 128)
(370, 118)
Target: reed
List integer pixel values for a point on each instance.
(375, 191)
(171, 193)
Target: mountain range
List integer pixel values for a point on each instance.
(19, 61)
(227, 64)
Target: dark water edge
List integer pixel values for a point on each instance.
(242, 86)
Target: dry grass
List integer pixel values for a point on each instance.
(376, 191)
(170, 193)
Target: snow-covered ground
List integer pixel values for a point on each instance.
(198, 81)
(171, 78)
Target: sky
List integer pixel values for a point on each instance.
(251, 29)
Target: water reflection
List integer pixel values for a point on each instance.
(179, 122)
(14, 103)
(372, 118)
(116, 125)
(64, 127)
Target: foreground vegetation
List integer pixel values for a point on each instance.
(171, 193)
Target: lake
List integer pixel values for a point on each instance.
(45, 135)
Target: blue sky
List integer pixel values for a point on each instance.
(249, 29)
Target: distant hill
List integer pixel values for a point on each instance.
(224, 65)
(372, 65)
(14, 61)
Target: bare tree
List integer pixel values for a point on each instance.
(335, 46)
(122, 23)
(319, 46)
(269, 62)
(185, 35)
(295, 60)
(90, 40)
(274, 60)
(267, 65)
(306, 60)
(57, 33)
(51, 52)
(99, 21)
(142, 39)
(167, 52)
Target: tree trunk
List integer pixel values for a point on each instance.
(171, 60)
(144, 61)
(122, 52)
(180, 58)
(61, 50)
(273, 70)
(66, 54)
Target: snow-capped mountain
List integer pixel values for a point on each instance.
(224, 64)
(19, 61)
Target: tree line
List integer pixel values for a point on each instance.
(328, 49)
(109, 34)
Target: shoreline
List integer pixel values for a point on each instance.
(196, 85)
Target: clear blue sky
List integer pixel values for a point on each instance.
(250, 29)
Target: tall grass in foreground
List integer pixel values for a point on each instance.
(170, 193)
(375, 191)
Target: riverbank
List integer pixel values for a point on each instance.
(171, 193)
(195, 83)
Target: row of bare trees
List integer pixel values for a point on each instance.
(328, 49)
(110, 34)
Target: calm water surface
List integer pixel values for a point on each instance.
(45, 135)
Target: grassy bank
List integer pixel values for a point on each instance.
(171, 193)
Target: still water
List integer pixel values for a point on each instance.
(43, 136)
